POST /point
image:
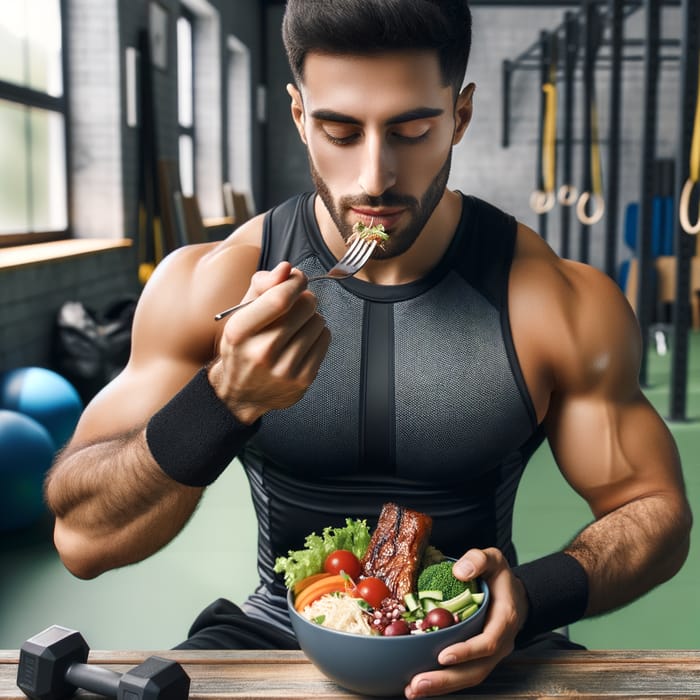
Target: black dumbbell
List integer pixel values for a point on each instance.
(52, 666)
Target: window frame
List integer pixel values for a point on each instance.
(189, 131)
(28, 97)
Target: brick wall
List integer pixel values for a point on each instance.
(32, 295)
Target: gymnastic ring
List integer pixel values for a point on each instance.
(542, 202)
(683, 207)
(567, 195)
(597, 214)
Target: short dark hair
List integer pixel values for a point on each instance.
(366, 27)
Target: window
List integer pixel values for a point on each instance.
(239, 118)
(185, 102)
(33, 118)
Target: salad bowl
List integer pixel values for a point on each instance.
(379, 665)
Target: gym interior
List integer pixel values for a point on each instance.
(131, 127)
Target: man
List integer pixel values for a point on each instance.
(428, 380)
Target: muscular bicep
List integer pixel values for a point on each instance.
(126, 404)
(174, 334)
(608, 440)
(613, 452)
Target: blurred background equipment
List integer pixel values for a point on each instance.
(26, 452)
(45, 396)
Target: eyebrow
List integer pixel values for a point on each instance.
(328, 115)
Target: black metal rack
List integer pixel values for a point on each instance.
(684, 243)
(580, 36)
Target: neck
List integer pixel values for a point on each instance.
(418, 260)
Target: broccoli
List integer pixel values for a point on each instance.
(439, 577)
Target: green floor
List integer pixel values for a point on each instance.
(150, 605)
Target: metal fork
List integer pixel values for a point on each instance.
(350, 264)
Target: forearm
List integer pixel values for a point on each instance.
(632, 549)
(119, 500)
(113, 504)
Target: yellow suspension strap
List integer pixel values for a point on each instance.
(694, 171)
(541, 201)
(151, 249)
(596, 178)
(146, 267)
(568, 192)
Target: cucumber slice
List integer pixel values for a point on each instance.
(468, 611)
(411, 603)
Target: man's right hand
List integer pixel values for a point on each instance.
(270, 352)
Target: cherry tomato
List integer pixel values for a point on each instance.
(373, 590)
(438, 617)
(397, 628)
(342, 560)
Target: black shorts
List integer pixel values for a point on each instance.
(223, 625)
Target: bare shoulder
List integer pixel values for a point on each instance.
(174, 331)
(191, 285)
(571, 323)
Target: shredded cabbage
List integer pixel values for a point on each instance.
(338, 612)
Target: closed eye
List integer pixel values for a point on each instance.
(411, 131)
(341, 140)
(344, 137)
(339, 133)
(405, 138)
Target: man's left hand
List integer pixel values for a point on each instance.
(468, 663)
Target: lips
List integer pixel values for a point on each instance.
(373, 217)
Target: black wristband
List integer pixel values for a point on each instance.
(194, 437)
(557, 590)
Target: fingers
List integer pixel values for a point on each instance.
(278, 328)
(303, 352)
(507, 608)
(447, 681)
(270, 351)
(470, 565)
(272, 292)
(468, 663)
(263, 280)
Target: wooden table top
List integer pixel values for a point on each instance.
(257, 675)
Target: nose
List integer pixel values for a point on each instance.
(378, 167)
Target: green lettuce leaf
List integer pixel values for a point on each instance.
(301, 563)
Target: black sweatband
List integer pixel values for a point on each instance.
(557, 590)
(194, 437)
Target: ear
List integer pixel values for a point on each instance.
(297, 106)
(463, 112)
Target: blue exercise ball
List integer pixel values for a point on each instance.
(26, 452)
(45, 396)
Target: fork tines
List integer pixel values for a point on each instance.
(359, 252)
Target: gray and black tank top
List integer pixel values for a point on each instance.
(420, 400)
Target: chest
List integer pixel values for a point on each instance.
(422, 388)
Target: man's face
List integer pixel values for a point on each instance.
(379, 132)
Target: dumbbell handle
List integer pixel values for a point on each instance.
(95, 678)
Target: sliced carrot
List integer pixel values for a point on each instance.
(299, 586)
(328, 584)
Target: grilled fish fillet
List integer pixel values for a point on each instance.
(396, 548)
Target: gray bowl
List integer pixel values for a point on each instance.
(379, 665)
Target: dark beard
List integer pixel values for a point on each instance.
(399, 241)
